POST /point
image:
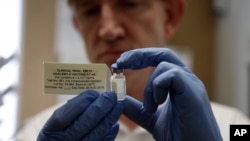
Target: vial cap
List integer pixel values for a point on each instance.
(116, 69)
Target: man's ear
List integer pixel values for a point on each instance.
(174, 11)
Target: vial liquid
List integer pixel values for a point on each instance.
(118, 82)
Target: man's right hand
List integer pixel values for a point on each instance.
(87, 117)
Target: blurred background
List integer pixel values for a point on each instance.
(213, 40)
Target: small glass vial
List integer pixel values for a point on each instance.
(118, 82)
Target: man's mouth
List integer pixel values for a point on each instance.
(110, 54)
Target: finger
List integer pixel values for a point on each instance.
(141, 58)
(104, 127)
(166, 78)
(90, 118)
(66, 114)
(112, 133)
(134, 110)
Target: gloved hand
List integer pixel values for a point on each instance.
(175, 106)
(87, 117)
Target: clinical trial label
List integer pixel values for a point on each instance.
(65, 78)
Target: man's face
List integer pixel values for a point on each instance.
(110, 27)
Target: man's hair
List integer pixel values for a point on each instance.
(70, 2)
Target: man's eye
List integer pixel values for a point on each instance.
(131, 4)
(91, 11)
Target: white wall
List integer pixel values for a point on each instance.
(10, 44)
(232, 55)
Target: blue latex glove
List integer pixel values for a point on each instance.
(175, 106)
(87, 117)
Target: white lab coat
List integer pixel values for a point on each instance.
(224, 115)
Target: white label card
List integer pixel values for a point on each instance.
(65, 78)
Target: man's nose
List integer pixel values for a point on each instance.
(110, 28)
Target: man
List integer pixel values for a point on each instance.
(175, 105)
